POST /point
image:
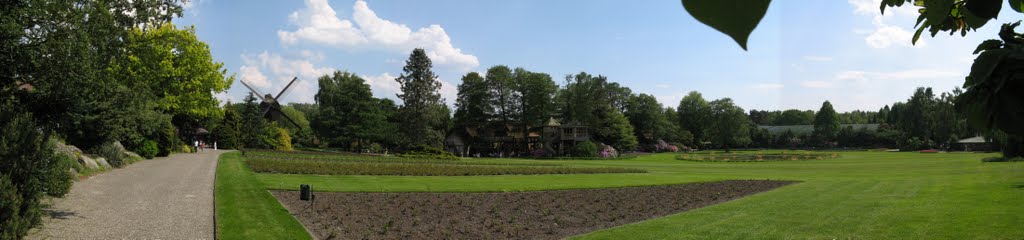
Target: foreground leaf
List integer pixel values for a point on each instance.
(733, 17)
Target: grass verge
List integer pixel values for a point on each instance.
(244, 207)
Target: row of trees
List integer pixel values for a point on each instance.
(347, 116)
(91, 73)
(991, 99)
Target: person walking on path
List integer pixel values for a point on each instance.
(196, 146)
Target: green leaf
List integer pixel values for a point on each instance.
(987, 9)
(988, 45)
(890, 3)
(917, 34)
(1007, 113)
(736, 18)
(1017, 5)
(984, 65)
(937, 10)
(920, 18)
(973, 20)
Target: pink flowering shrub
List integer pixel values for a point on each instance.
(663, 146)
(539, 152)
(608, 152)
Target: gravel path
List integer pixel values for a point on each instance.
(162, 198)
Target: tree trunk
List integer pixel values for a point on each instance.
(1014, 146)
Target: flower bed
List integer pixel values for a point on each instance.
(512, 215)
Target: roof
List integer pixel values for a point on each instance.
(978, 139)
(552, 122)
(808, 129)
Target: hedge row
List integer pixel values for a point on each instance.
(756, 157)
(264, 165)
(405, 160)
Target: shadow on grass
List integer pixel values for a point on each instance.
(1002, 159)
(59, 214)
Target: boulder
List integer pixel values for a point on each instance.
(73, 172)
(88, 162)
(125, 151)
(120, 148)
(102, 162)
(65, 149)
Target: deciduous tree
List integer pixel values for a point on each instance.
(729, 125)
(349, 115)
(694, 115)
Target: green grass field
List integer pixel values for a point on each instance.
(860, 195)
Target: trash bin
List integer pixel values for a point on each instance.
(304, 192)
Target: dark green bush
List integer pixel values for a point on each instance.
(166, 139)
(14, 222)
(424, 151)
(148, 149)
(29, 169)
(585, 149)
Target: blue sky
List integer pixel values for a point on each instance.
(802, 53)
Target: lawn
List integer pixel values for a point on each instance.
(860, 195)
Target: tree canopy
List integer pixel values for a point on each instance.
(826, 122)
(349, 116)
(424, 115)
(729, 126)
(694, 115)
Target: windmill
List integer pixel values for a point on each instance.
(270, 104)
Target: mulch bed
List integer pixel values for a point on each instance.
(511, 215)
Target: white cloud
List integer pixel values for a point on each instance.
(866, 78)
(286, 69)
(670, 100)
(912, 74)
(767, 86)
(318, 23)
(253, 76)
(818, 58)
(816, 84)
(865, 6)
(383, 85)
(885, 34)
(663, 86)
(448, 91)
(192, 6)
(888, 35)
(281, 71)
(224, 97)
(315, 56)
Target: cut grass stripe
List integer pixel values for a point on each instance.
(244, 207)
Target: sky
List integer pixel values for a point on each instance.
(801, 54)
